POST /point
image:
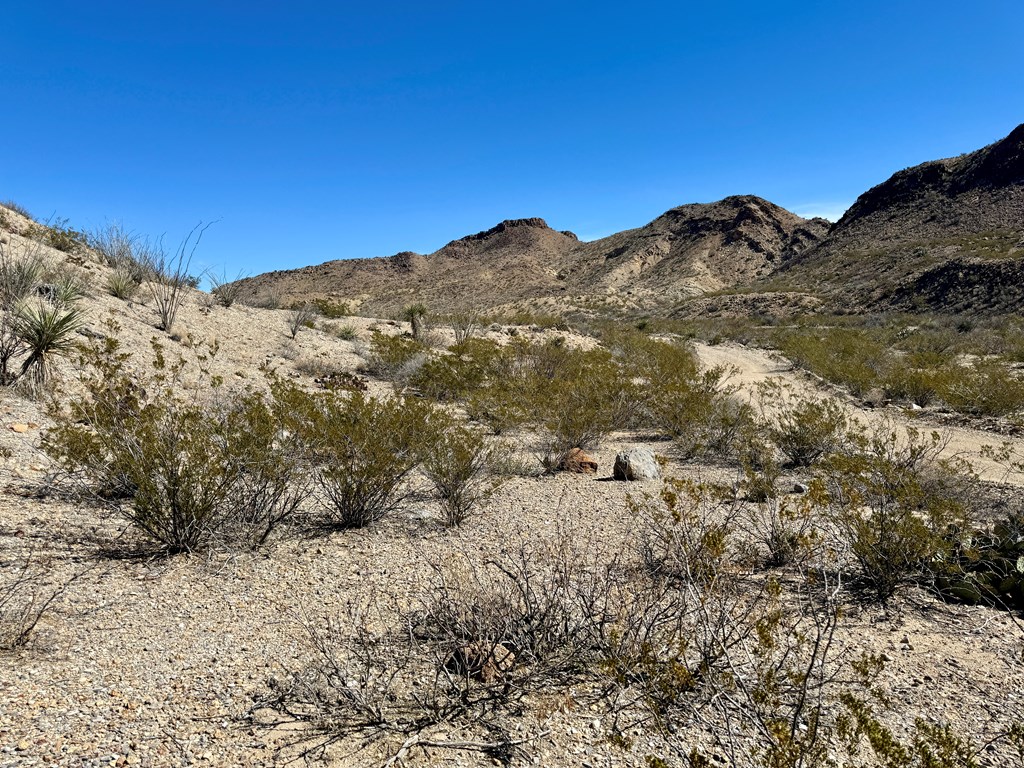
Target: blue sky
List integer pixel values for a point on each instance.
(322, 130)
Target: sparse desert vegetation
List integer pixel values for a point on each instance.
(278, 531)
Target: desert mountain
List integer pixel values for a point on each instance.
(687, 251)
(946, 234)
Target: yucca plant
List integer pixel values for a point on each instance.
(46, 331)
(11, 346)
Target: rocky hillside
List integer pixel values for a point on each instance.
(903, 242)
(946, 235)
(688, 251)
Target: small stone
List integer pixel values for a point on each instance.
(19, 428)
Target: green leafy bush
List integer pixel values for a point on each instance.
(893, 497)
(363, 449)
(191, 476)
(458, 464)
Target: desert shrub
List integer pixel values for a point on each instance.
(575, 397)
(121, 283)
(25, 597)
(330, 309)
(301, 317)
(69, 287)
(363, 449)
(13, 205)
(462, 652)
(677, 397)
(916, 379)
(928, 745)
(189, 475)
(466, 368)
(393, 357)
(850, 357)
(685, 531)
(987, 388)
(506, 461)
(58, 235)
(803, 428)
(784, 529)
(458, 464)
(893, 497)
(226, 291)
(732, 657)
(699, 414)
(464, 325)
(265, 299)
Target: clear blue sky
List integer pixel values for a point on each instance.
(322, 130)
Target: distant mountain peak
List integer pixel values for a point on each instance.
(506, 225)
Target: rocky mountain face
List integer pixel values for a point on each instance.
(901, 241)
(945, 235)
(688, 251)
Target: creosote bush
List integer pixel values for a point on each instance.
(458, 464)
(190, 475)
(362, 448)
(803, 428)
(893, 497)
(395, 357)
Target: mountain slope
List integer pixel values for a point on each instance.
(687, 251)
(968, 210)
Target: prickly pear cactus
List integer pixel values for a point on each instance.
(985, 567)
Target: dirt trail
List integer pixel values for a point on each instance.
(752, 366)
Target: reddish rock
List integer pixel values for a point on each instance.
(577, 460)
